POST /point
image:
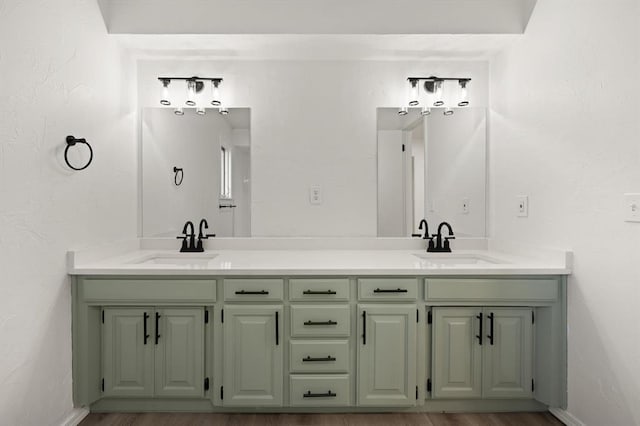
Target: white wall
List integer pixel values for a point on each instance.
(565, 132)
(60, 75)
(312, 123)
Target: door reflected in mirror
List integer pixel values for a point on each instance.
(214, 153)
(432, 167)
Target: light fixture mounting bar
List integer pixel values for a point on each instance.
(214, 79)
(433, 79)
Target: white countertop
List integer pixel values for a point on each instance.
(137, 259)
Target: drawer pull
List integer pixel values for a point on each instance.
(319, 395)
(146, 335)
(319, 292)
(330, 322)
(252, 292)
(391, 290)
(309, 359)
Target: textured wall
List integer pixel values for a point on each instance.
(312, 123)
(565, 131)
(59, 75)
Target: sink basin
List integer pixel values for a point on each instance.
(442, 259)
(187, 259)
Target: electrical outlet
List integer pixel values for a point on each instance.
(522, 206)
(465, 206)
(632, 207)
(315, 195)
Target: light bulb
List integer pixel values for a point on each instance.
(448, 111)
(164, 98)
(464, 95)
(215, 93)
(178, 111)
(201, 111)
(425, 111)
(413, 96)
(403, 111)
(191, 93)
(438, 93)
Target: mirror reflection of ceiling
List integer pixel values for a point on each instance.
(316, 17)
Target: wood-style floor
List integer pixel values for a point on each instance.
(392, 419)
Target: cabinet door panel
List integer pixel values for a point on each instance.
(253, 370)
(127, 360)
(508, 361)
(457, 354)
(180, 353)
(387, 355)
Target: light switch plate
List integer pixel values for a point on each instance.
(522, 206)
(632, 207)
(315, 195)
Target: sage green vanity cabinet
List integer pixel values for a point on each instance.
(387, 355)
(151, 352)
(253, 355)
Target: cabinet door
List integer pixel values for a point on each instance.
(179, 352)
(387, 355)
(127, 352)
(253, 355)
(508, 353)
(457, 353)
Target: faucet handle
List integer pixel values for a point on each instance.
(450, 237)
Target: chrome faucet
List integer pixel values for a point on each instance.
(439, 246)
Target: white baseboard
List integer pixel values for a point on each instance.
(75, 417)
(565, 417)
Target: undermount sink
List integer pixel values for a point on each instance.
(187, 259)
(440, 259)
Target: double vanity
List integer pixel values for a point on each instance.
(275, 328)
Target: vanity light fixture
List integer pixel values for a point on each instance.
(435, 88)
(195, 85)
(425, 111)
(438, 91)
(448, 111)
(464, 95)
(178, 111)
(164, 99)
(403, 111)
(223, 110)
(201, 111)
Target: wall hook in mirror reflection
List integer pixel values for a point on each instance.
(178, 172)
(72, 141)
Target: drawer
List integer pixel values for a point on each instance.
(326, 390)
(491, 290)
(157, 290)
(301, 289)
(252, 289)
(319, 356)
(320, 321)
(387, 288)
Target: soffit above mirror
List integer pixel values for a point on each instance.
(316, 17)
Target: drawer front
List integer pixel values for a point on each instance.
(387, 288)
(326, 390)
(148, 290)
(319, 356)
(319, 289)
(240, 289)
(491, 290)
(320, 321)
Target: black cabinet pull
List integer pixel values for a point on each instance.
(319, 292)
(319, 395)
(330, 322)
(364, 327)
(479, 336)
(146, 335)
(490, 336)
(277, 330)
(157, 327)
(390, 290)
(309, 359)
(252, 292)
